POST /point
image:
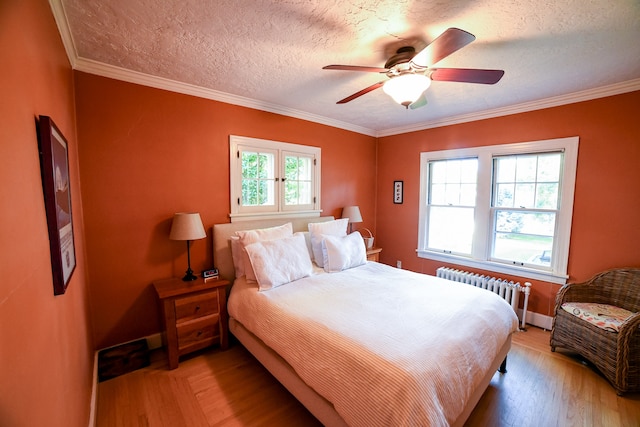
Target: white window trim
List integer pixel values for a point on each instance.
(235, 184)
(480, 253)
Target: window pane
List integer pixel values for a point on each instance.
(547, 196)
(438, 194)
(469, 171)
(526, 168)
(298, 170)
(452, 196)
(291, 192)
(451, 229)
(249, 165)
(505, 169)
(524, 236)
(257, 178)
(453, 182)
(523, 249)
(249, 192)
(525, 195)
(467, 194)
(304, 168)
(549, 167)
(525, 222)
(304, 193)
(265, 166)
(453, 171)
(438, 172)
(291, 167)
(504, 195)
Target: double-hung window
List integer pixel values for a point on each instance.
(504, 208)
(452, 205)
(271, 179)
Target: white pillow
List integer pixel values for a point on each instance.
(277, 262)
(237, 254)
(318, 230)
(307, 241)
(248, 237)
(342, 253)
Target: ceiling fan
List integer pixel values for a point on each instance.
(410, 73)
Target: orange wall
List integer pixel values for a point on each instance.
(46, 354)
(147, 153)
(606, 220)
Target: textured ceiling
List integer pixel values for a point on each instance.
(270, 54)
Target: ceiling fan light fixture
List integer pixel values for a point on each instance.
(406, 88)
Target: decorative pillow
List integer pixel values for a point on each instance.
(342, 253)
(318, 230)
(604, 316)
(248, 237)
(237, 254)
(277, 262)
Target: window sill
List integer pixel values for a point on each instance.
(237, 217)
(527, 273)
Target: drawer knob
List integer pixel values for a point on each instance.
(199, 333)
(197, 307)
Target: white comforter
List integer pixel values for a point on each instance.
(387, 347)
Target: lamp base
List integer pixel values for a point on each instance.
(189, 277)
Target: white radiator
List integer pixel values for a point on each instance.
(510, 291)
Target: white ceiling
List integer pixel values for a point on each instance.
(269, 54)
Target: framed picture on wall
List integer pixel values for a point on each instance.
(54, 167)
(397, 192)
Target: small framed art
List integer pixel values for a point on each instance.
(397, 192)
(54, 167)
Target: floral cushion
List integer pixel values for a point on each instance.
(607, 317)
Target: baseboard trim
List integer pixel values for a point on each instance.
(536, 319)
(153, 341)
(94, 392)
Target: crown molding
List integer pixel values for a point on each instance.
(118, 73)
(63, 28)
(110, 71)
(585, 95)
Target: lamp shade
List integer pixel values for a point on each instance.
(353, 213)
(406, 88)
(187, 226)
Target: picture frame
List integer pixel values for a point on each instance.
(398, 192)
(54, 167)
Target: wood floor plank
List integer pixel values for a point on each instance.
(231, 389)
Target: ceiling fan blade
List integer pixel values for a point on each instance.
(362, 92)
(356, 68)
(420, 102)
(466, 75)
(444, 45)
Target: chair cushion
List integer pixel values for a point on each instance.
(604, 316)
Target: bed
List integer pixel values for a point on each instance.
(364, 344)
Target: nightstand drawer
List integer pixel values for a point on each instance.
(196, 306)
(200, 333)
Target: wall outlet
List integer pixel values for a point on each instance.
(399, 264)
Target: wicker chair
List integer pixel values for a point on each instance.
(616, 355)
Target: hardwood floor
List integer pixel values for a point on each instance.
(231, 388)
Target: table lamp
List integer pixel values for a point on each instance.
(187, 226)
(353, 213)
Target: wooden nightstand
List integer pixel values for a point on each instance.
(194, 315)
(373, 254)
